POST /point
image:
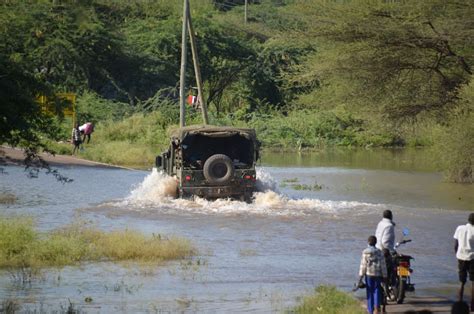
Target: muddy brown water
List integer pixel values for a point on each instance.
(307, 227)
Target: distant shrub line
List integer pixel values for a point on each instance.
(137, 139)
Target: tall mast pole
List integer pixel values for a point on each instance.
(197, 70)
(182, 74)
(245, 11)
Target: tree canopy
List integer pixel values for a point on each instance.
(402, 57)
(368, 66)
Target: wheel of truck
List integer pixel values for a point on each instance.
(218, 169)
(246, 197)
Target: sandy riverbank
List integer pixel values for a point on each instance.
(15, 156)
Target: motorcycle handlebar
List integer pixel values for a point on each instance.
(403, 242)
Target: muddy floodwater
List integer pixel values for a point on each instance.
(307, 227)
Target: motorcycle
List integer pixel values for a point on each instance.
(400, 271)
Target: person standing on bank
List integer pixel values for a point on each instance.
(87, 130)
(464, 248)
(374, 269)
(76, 138)
(385, 232)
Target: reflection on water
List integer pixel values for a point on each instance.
(252, 257)
(391, 176)
(410, 159)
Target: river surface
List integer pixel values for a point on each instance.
(307, 227)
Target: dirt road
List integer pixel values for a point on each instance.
(14, 156)
(418, 303)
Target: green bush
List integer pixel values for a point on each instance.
(22, 246)
(454, 140)
(139, 128)
(122, 153)
(16, 237)
(455, 149)
(315, 128)
(329, 300)
(133, 141)
(61, 148)
(93, 108)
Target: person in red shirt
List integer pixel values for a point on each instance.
(86, 129)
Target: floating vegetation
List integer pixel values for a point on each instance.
(125, 288)
(23, 276)
(9, 306)
(7, 198)
(70, 308)
(290, 180)
(13, 306)
(247, 252)
(21, 246)
(364, 186)
(299, 186)
(307, 187)
(191, 267)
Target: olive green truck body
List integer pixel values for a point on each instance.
(212, 161)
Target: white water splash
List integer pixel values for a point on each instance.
(155, 188)
(157, 193)
(269, 198)
(265, 181)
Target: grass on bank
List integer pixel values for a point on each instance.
(329, 300)
(23, 246)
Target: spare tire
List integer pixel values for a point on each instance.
(218, 169)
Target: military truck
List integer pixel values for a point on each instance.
(212, 161)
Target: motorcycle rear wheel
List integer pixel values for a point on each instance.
(400, 290)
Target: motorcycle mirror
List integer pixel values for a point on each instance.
(406, 231)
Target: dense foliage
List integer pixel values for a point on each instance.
(305, 74)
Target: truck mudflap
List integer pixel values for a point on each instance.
(216, 191)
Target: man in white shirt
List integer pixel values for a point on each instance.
(464, 247)
(385, 232)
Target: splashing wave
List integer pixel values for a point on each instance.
(157, 192)
(155, 188)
